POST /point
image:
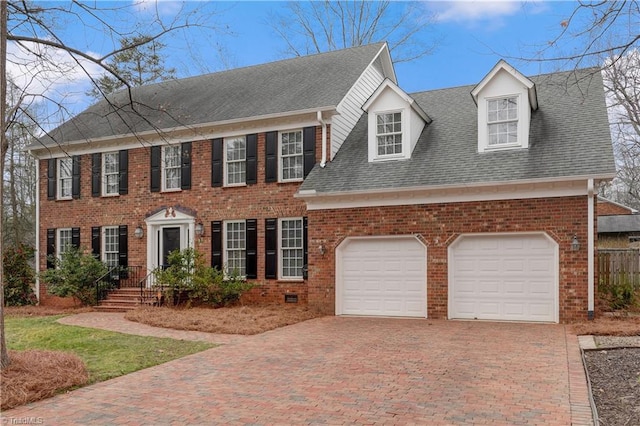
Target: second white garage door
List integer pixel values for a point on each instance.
(504, 277)
(381, 276)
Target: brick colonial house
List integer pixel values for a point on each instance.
(324, 182)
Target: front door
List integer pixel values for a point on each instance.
(170, 241)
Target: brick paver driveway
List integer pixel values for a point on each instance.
(337, 370)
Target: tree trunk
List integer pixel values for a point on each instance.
(4, 354)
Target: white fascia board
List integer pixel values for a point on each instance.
(387, 63)
(542, 188)
(203, 131)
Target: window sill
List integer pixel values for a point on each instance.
(291, 280)
(235, 185)
(171, 190)
(502, 147)
(110, 195)
(292, 180)
(64, 199)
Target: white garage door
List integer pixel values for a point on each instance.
(381, 276)
(504, 277)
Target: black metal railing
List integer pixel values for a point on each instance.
(116, 277)
(151, 293)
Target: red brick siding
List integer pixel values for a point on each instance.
(259, 201)
(438, 225)
(606, 208)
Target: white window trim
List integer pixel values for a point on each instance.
(518, 122)
(59, 178)
(103, 255)
(281, 277)
(104, 175)
(280, 157)
(163, 170)
(226, 161)
(59, 232)
(403, 133)
(524, 121)
(225, 258)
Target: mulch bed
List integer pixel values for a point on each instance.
(615, 383)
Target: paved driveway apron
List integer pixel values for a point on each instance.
(338, 370)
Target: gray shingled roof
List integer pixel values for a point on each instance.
(619, 223)
(569, 136)
(307, 82)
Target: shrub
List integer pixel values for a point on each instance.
(74, 275)
(188, 277)
(19, 276)
(619, 294)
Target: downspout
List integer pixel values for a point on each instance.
(37, 247)
(590, 249)
(323, 162)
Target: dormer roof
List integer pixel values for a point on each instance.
(388, 84)
(502, 65)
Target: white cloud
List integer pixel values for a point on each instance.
(51, 77)
(159, 7)
(471, 11)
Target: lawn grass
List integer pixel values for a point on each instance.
(106, 354)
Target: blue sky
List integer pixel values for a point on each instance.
(471, 37)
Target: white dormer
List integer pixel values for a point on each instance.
(505, 99)
(395, 123)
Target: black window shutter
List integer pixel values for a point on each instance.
(185, 173)
(123, 249)
(51, 247)
(96, 246)
(271, 157)
(305, 248)
(252, 248)
(216, 162)
(51, 178)
(75, 237)
(75, 176)
(252, 159)
(216, 244)
(96, 174)
(156, 158)
(309, 148)
(123, 178)
(271, 248)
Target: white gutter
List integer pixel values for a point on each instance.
(323, 162)
(590, 249)
(37, 247)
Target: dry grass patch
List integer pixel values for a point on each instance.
(233, 320)
(609, 326)
(34, 375)
(42, 311)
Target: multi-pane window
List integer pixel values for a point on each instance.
(110, 173)
(236, 157)
(110, 249)
(171, 167)
(64, 242)
(291, 248)
(65, 177)
(389, 133)
(291, 157)
(502, 118)
(236, 248)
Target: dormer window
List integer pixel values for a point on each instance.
(389, 133)
(502, 121)
(505, 100)
(394, 123)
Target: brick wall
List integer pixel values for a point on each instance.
(438, 225)
(258, 201)
(606, 208)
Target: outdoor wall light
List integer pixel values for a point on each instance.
(575, 244)
(139, 232)
(199, 229)
(321, 249)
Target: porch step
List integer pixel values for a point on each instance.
(120, 300)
